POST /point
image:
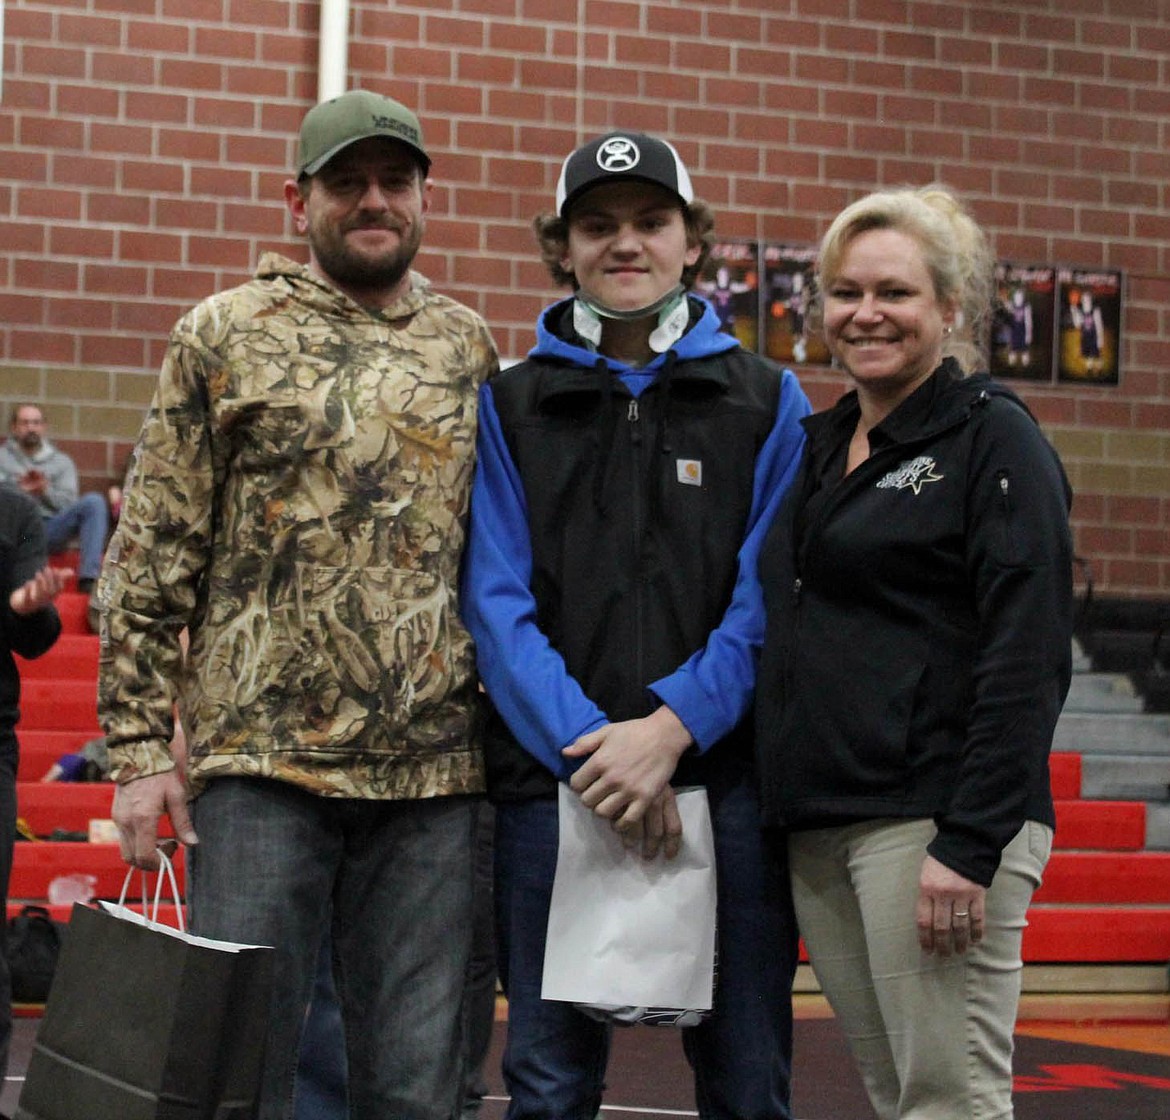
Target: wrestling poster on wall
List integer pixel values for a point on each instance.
(787, 294)
(1022, 322)
(1089, 333)
(731, 281)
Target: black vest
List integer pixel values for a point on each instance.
(636, 513)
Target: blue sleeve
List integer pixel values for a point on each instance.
(712, 691)
(527, 680)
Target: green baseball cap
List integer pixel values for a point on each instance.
(333, 125)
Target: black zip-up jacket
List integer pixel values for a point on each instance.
(631, 570)
(919, 630)
(22, 555)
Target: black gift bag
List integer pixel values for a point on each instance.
(145, 1022)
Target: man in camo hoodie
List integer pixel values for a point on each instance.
(297, 500)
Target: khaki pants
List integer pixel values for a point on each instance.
(932, 1035)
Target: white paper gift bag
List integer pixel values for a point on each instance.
(631, 936)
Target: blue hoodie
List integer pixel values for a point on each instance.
(527, 679)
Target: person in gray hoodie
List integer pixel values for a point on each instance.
(46, 474)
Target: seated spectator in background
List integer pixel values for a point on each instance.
(48, 476)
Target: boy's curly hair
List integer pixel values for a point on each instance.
(552, 235)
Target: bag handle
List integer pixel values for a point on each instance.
(166, 871)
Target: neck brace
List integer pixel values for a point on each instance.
(672, 311)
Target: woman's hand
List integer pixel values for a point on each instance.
(950, 911)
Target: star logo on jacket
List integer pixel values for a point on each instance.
(911, 475)
(690, 471)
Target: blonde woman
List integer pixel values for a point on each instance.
(917, 653)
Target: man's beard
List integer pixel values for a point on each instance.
(349, 269)
(29, 442)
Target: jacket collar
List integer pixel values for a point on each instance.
(944, 399)
(569, 369)
(315, 291)
(559, 379)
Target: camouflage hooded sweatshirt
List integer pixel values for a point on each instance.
(298, 499)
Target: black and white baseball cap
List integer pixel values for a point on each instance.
(622, 155)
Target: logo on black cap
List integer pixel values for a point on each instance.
(618, 154)
(622, 155)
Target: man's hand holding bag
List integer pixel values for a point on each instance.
(148, 1022)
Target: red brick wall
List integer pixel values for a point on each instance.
(146, 141)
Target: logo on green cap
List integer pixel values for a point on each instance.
(334, 125)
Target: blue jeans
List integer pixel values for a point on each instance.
(276, 865)
(89, 520)
(320, 1084)
(479, 993)
(555, 1057)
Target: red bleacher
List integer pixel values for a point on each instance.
(58, 715)
(1103, 900)
(38, 863)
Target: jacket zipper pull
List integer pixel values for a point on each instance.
(632, 416)
(796, 585)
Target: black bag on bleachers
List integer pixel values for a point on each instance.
(34, 943)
